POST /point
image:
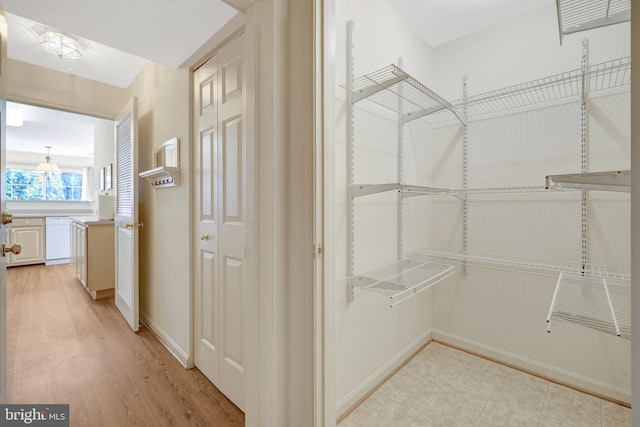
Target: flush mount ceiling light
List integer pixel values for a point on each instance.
(61, 45)
(48, 167)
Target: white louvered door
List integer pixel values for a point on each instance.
(126, 218)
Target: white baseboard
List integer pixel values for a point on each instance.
(535, 367)
(167, 342)
(377, 377)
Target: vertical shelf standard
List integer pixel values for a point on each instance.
(397, 91)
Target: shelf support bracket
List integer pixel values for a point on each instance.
(350, 160)
(375, 88)
(584, 150)
(400, 204)
(465, 173)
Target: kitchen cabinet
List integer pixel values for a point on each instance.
(29, 234)
(92, 255)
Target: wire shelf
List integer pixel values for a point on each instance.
(581, 15)
(396, 90)
(358, 190)
(598, 77)
(604, 181)
(401, 279)
(521, 264)
(459, 192)
(596, 303)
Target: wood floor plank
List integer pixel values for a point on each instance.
(63, 347)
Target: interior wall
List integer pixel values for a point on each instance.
(165, 264)
(500, 313)
(103, 156)
(35, 85)
(372, 338)
(524, 48)
(17, 159)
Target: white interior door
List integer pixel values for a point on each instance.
(126, 217)
(3, 229)
(220, 156)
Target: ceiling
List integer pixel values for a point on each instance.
(441, 21)
(121, 36)
(68, 134)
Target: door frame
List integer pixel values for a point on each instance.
(289, 299)
(3, 228)
(635, 217)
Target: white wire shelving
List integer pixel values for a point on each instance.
(386, 87)
(397, 91)
(402, 279)
(580, 15)
(359, 190)
(597, 303)
(605, 181)
(390, 85)
(597, 77)
(548, 267)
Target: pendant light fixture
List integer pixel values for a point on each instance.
(61, 45)
(48, 167)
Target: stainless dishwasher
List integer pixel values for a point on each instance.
(58, 240)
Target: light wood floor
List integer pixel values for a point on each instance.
(63, 347)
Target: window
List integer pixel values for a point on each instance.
(34, 185)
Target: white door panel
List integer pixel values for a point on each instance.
(126, 217)
(220, 211)
(206, 352)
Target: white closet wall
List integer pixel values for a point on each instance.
(499, 313)
(372, 338)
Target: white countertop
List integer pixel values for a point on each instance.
(47, 214)
(90, 220)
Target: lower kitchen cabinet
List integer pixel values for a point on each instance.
(92, 255)
(29, 234)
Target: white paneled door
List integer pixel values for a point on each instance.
(220, 188)
(126, 217)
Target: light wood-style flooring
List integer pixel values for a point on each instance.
(63, 347)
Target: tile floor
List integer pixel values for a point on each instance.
(446, 387)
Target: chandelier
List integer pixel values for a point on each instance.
(48, 167)
(61, 45)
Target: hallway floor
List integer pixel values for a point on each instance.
(442, 386)
(63, 347)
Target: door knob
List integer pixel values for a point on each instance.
(7, 218)
(130, 225)
(14, 249)
(205, 237)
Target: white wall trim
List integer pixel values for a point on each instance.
(325, 331)
(167, 342)
(377, 377)
(635, 214)
(533, 366)
(228, 32)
